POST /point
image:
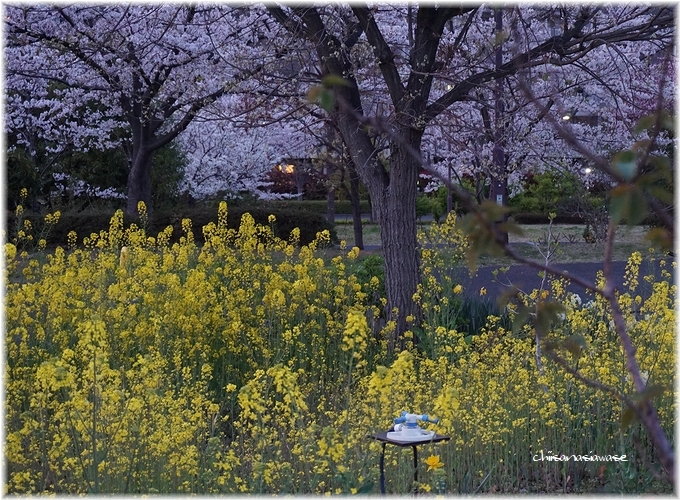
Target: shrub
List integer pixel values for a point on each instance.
(564, 195)
(545, 192)
(320, 206)
(540, 218)
(369, 270)
(91, 221)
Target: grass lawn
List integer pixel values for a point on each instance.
(569, 237)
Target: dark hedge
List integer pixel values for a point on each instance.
(93, 221)
(539, 218)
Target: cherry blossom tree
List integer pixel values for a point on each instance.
(151, 67)
(222, 158)
(42, 131)
(429, 61)
(230, 159)
(600, 97)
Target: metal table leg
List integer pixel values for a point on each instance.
(415, 469)
(382, 470)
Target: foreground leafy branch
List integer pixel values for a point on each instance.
(486, 234)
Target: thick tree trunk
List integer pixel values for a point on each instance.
(393, 197)
(139, 182)
(397, 218)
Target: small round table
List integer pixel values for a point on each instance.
(382, 437)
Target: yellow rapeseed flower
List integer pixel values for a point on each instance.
(72, 239)
(10, 251)
(353, 253)
(433, 462)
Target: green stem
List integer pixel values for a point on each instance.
(94, 423)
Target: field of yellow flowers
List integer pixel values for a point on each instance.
(255, 365)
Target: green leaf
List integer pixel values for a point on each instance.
(549, 345)
(575, 344)
(650, 392)
(477, 226)
(546, 314)
(662, 167)
(520, 319)
(327, 100)
(507, 296)
(322, 96)
(648, 122)
(625, 164)
(641, 145)
(628, 203)
(471, 256)
(638, 207)
(628, 416)
(645, 123)
(479, 236)
(667, 121)
(314, 93)
(329, 81)
(662, 194)
(660, 238)
(493, 211)
(511, 227)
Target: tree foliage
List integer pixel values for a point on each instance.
(150, 69)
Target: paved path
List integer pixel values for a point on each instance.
(527, 278)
